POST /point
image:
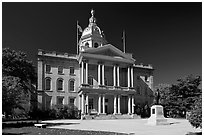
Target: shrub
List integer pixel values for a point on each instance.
(195, 115)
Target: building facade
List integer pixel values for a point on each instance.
(100, 79)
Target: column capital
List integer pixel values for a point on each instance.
(85, 60)
(100, 62)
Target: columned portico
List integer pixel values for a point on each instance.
(99, 104)
(118, 76)
(118, 104)
(86, 72)
(87, 104)
(133, 105)
(128, 76)
(103, 103)
(115, 105)
(129, 105)
(82, 104)
(103, 74)
(99, 74)
(82, 72)
(132, 79)
(114, 76)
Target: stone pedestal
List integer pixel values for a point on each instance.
(157, 116)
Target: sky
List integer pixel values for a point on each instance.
(166, 35)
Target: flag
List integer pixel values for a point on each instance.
(123, 40)
(79, 28)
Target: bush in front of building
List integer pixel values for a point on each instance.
(195, 115)
(57, 112)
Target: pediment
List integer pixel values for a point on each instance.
(109, 50)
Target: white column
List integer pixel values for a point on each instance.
(82, 72)
(79, 102)
(151, 82)
(115, 106)
(82, 104)
(114, 76)
(132, 80)
(129, 105)
(103, 75)
(99, 74)
(99, 103)
(86, 73)
(133, 104)
(87, 103)
(118, 104)
(118, 76)
(128, 76)
(103, 103)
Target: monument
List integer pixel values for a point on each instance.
(157, 115)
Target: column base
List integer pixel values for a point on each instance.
(129, 113)
(117, 114)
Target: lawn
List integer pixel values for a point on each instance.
(52, 131)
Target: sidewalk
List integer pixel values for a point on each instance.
(129, 126)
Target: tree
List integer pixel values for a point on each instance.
(18, 76)
(195, 117)
(179, 98)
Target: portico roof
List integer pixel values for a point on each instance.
(107, 52)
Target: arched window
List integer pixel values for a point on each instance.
(95, 45)
(59, 84)
(71, 85)
(47, 83)
(90, 80)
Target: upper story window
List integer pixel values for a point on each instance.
(90, 80)
(47, 68)
(59, 84)
(71, 72)
(60, 70)
(146, 91)
(47, 83)
(71, 85)
(138, 90)
(146, 79)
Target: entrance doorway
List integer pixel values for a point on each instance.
(124, 104)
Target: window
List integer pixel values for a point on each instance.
(60, 70)
(71, 85)
(95, 45)
(146, 91)
(48, 68)
(91, 103)
(60, 100)
(90, 80)
(71, 70)
(146, 79)
(47, 83)
(60, 84)
(71, 100)
(138, 90)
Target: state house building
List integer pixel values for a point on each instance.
(100, 79)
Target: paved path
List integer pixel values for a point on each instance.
(129, 126)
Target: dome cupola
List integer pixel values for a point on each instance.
(92, 36)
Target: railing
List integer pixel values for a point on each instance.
(107, 87)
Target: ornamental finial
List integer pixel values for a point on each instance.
(92, 12)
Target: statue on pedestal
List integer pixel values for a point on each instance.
(157, 98)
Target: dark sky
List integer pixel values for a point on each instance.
(166, 35)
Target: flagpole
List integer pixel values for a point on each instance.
(77, 38)
(124, 41)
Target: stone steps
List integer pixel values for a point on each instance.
(111, 116)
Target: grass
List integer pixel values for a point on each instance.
(52, 131)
